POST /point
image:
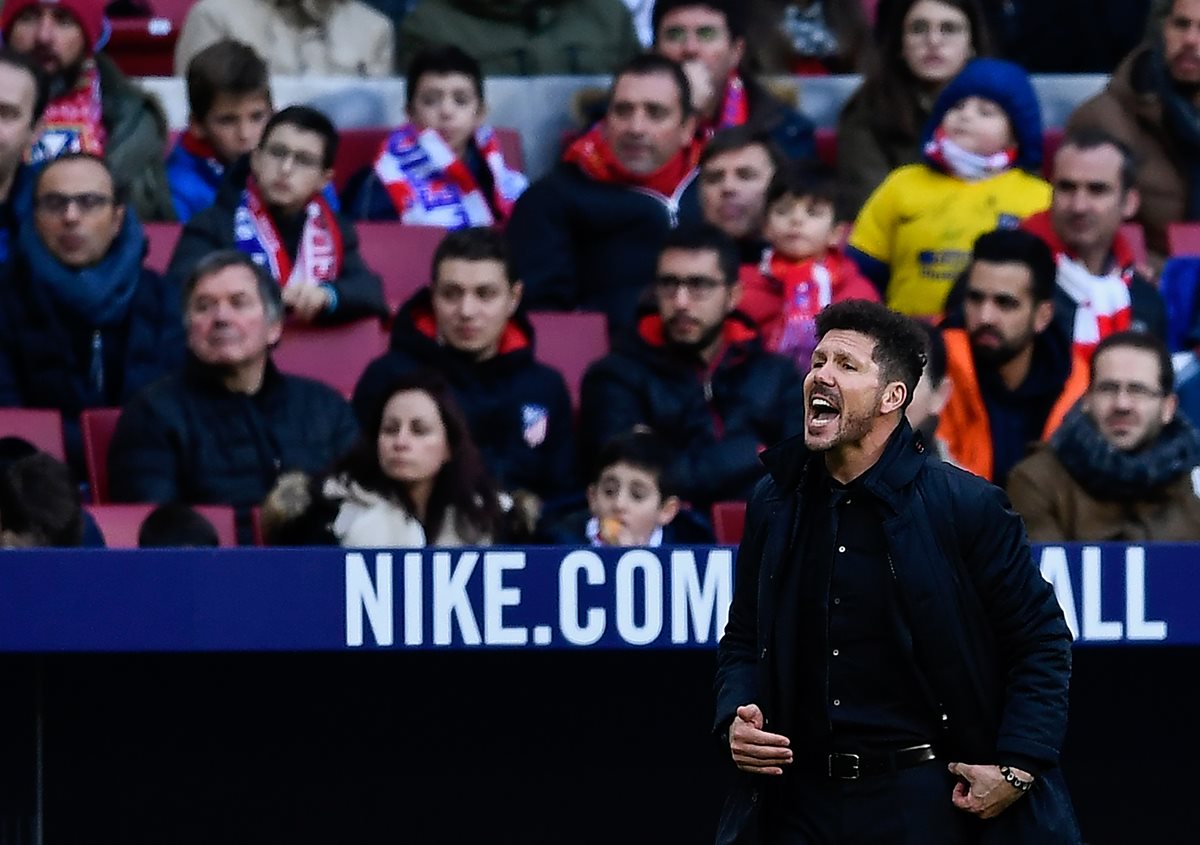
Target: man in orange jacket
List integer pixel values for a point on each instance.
(1015, 375)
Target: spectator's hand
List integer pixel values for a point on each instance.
(703, 92)
(986, 793)
(305, 301)
(755, 750)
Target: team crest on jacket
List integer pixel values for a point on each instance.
(534, 421)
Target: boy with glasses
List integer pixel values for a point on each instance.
(272, 207)
(696, 374)
(1123, 467)
(82, 323)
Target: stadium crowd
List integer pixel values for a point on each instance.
(599, 354)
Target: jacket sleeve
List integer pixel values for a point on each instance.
(736, 682)
(1032, 639)
(144, 456)
(137, 144)
(543, 249)
(359, 290)
(1034, 501)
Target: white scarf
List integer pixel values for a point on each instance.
(1102, 303)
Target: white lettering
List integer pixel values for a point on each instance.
(1137, 626)
(631, 563)
(375, 599)
(700, 604)
(496, 597)
(1055, 570)
(1094, 627)
(450, 598)
(592, 567)
(413, 613)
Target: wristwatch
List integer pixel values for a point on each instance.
(1015, 782)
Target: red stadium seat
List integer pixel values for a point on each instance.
(120, 523)
(569, 342)
(335, 355)
(97, 426)
(161, 239)
(1183, 239)
(357, 148)
(1135, 236)
(40, 426)
(143, 46)
(826, 140)
(401, 255)
(1051, 141)
(729, 522)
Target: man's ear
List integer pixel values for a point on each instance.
(1130, 204)
(515, 292)
(735, 294)
(894, 396)
(1043, 315)
(668, 510)
(1169, 407)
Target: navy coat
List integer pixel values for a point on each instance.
(984, 629)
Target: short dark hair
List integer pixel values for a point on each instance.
(650, 64)
(935, 353)
(41, 84)
(218, 260)
(442, 58)
(807, 180)
(644, 450)
(734, 138)
(1093, 137)
(39, 501)
(176, 525)
(477, 243)
(226, 67)
(1016, 246)
(120, 190)
(706, 236)
(733, 11)
(899, 340)
(1138, 340)
(310, 120)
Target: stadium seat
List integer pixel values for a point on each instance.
(1051, 141)
(120, 523)
(401, 255)
(1135, 236)
(335, 355)
(97, 426)
(160, 240)
(357, 149)
(40, 426)
(729, 521)
(826, 140)
(569, 342)
(1183, 238)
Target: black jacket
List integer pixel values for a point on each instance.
(582, 244)
(985, 631)
(518, 409)
(186, 438)
(717, 419)
(359, 290)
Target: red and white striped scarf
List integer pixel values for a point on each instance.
(319, 258)
(73, 122)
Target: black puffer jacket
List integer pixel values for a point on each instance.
(518, 409)
(718, 418)
(186, 438)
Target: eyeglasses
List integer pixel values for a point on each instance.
(281, 155)
(56, 203)
(924, 29)
(1113, 389)
(697, 287)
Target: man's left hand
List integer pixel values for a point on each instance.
(985, 794)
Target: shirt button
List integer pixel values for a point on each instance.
(837, 601)
(835, 652)
(848, 500)
(841, 548)
(764, 653)
(837, 702)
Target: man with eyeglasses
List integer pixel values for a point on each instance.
(708, 37)
(82, 323)
(23, 95)
(1124, 466)
(273, 207)
(93, 107)
(1015, 373)
(696, 373)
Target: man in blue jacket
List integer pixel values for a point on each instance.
(894, 668)
(82, 323)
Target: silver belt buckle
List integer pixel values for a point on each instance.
(843, 766)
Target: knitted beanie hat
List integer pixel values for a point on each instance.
(89, 14)
(1006, 84)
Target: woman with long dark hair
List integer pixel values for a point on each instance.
(924, 45)
(414, 478)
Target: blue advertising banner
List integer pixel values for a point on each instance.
(322, 599)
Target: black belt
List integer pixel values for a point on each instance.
(843, 766)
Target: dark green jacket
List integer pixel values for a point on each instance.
(137, 141)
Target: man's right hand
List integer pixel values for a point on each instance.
(753, 749)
